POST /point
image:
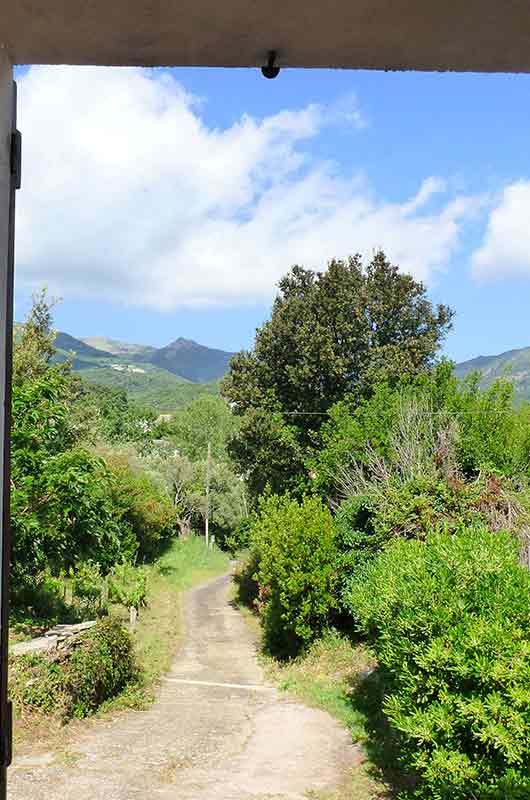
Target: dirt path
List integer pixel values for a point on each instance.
(216, 732)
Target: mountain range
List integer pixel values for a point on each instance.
(164, 377)
(183, 357)
(170, 376)
(514, 365)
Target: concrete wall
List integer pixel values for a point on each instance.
(6, 107)
(481, 35)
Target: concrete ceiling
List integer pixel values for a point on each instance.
(476, 35)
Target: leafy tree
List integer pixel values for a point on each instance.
(227, 501)
(205, 420)
(268, 452)
(106, 414)
(331, 335)
(335, 333)
(185, 482)
(68, 506)
(33, 346)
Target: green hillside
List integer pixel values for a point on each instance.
(155, 388)
(117, 348)
(514, 365)
(67, 344)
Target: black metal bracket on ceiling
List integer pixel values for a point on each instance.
(271, 70)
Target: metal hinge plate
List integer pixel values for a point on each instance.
(16, 158)
(6, 737)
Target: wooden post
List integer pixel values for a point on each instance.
(104, 597)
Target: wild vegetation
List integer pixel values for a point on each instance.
(384, 505)
(390, 503)
(101, 495)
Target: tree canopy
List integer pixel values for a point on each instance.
(331, 335)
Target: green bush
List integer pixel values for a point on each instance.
(365, 524)
(87, 585)
(39, 604)
(296, 545)
(101, 667)
(236, 539)
(75, 684)
(144, 507)
(449, 620)
(128, 586)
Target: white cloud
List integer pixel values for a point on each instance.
(129, 196)
(505, 250)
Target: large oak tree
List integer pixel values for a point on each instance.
(331, 334)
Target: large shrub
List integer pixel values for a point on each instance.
(101, 667)
(296, 544)
(143, 507)
(432, 425)
(418, 481)
(75, 684)
(63, 511)
(449, 620)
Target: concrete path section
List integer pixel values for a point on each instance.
(216, 732)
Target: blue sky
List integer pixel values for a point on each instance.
(149, 242)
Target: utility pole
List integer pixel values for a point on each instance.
(207, 519)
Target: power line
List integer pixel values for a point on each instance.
(419, 413)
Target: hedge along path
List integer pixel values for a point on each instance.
(217, 731)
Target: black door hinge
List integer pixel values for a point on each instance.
(16, 158)
(6, 736)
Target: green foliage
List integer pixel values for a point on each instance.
(352, 432)
(144, 509)
(267, 451)
(186, 482)
(205, 420)
(418, 477)
(238, 539)
(114, 418)
(39, 604)
(75, 684)
(101, 667)
(68, 506)
(296, 545)
(128, 586)
(494, 435)
(331, 335)
(446, 424)
(33, 341)
(62, 512)
(86, 584)
(448, 619)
